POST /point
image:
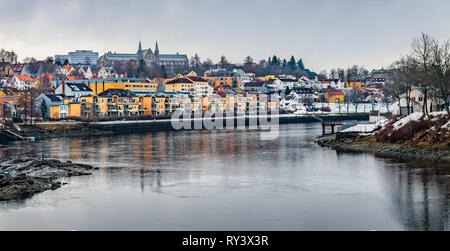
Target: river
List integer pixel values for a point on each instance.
(229, 180)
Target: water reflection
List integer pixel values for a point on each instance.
(314, 187)
(419, 192)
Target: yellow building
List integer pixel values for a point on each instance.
(196, 104)
(229, 81)
(55, 112)
(353, 84)
(241, 104)
(334, 96)
(100, 87)
(6, 70)
(159, 105)
(252, 103)
(180, 84)
(217, 104)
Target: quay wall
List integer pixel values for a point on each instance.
(166, 125)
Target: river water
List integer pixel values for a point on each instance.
(229, 180)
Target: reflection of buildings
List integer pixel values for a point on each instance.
(419, 196)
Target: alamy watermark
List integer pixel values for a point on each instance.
(241, 114)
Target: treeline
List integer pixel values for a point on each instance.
(272, 66)
(426, 67)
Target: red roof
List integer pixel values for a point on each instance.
(335, 92)
(197, 79)
(68, 67)
(9, 99)
(180, 81)
(24, 78)
(50, 76)
(73, 78)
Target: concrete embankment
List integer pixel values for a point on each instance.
(166, 125)
(21, 178)
(355, 143)
(84, 129)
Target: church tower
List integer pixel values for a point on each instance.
(140, 53)
(157, 50)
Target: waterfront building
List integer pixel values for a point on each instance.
(432, 104)
(54, 103)
(8, 107)
(159, 105)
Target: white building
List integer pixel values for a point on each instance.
(79, 57)
(106, 72)
(87, 72)
(22, 82)
(74, 90)
(202, 90)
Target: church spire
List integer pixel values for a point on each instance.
(140, 54)
(156, 49)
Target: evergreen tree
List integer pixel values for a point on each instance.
(275, 60)
(43, 110)
(292, 63)
(287, 91)
(300, 64)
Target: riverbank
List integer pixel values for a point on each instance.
(416, 136)
(21, 178)
(367, 144)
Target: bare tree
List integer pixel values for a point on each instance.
(223, 61)
(248, 61)
(441, 71)
(422, 51)
(26, 104)
(355, 98)
(8, 56)
(29, 60)
(45, 84)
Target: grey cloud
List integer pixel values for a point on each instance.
(325, 33)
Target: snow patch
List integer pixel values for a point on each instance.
(361, 128)
(404, 121)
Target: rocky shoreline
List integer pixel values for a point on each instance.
(21, 178)
(356, 143)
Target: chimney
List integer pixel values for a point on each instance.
(63, 88)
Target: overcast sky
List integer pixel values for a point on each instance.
(326, 34)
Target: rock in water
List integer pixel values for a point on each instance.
(21, 178)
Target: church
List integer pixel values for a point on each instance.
(172, 63)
